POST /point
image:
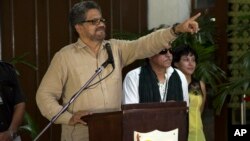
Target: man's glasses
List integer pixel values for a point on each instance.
(164, 51)
(95, 21)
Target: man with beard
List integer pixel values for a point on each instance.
(156, 81)
(73, 66)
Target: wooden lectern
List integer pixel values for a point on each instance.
(146, 117)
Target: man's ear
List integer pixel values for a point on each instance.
(77, 27)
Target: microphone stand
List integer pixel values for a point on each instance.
(73, 98)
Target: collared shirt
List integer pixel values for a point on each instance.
(131, 84)
(75, 64)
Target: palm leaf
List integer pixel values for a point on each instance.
(235, 87)
(219, 100)
(207, 69)
(244, 60)
(29, 126)
(21, 59)
(203, 42)
(210, 73)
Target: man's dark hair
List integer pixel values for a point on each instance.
(79, 10)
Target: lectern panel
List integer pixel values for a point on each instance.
(120, 125)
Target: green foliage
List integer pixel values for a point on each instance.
(21, 60)
(203, 42)
(236, 87)
(29, 126)
(207, 69)
(235, 30)
(238, 30)
(205, 46)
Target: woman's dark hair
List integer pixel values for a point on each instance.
(78, 12)
(182, 50)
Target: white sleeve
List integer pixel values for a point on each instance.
(130, 87)
(184, 86)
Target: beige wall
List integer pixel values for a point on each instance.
(167, 12)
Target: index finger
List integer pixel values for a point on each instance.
(195, 16)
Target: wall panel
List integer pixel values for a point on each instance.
(41, 27)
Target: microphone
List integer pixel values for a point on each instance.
(110, 55)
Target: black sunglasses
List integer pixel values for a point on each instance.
(164, 51)
(95, 21)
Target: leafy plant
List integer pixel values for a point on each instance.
(236, 87)
(205, 46)
(237, 84)
(238, 29)
(21, 60)
(29, 124)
